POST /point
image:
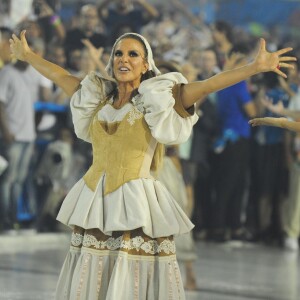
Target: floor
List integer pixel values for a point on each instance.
(224, 271)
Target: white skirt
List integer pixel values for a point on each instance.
(127, 265)
(122, 243)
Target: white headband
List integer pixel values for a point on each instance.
(151, 63)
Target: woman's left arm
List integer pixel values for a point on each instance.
(264, 62)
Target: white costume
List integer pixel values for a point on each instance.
(124, 220)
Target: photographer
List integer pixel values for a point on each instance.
(50, 22)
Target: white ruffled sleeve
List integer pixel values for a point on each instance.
(91, 93)
(168, 121)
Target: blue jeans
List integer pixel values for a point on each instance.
(19, 155)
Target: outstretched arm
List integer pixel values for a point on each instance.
(276, 122)
(21, 51)
(264, 62)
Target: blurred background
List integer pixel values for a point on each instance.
(241, 183)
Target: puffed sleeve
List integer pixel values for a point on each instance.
(91, 93)
(165, 115)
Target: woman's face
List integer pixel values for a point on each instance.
(208, 61)
(129, 62)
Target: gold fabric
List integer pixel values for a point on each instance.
(123, 151)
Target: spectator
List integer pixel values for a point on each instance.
(290, 214)
(56, 54)
(17, 129)
(232, 148)
(50, 22)
(20, 87)
(87, 29)
(204, 133)
(126, 16)
(269, 171)
(189, 166)
(290, 208)
(223, 36)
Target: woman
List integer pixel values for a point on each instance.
(124, 221)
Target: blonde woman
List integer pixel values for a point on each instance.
(123, 219)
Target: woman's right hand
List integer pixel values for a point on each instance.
(19, 47)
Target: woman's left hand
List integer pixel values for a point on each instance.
(273, 61)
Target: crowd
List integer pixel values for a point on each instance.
(241, 182)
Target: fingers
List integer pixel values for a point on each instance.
(257, 122)
(280, 73)
(253, 122)
(15, 38)
(287, 58)
(284, 50)
(262, 44)
(22, 36)
(284, 65)
(87, 42)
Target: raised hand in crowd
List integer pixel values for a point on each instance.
(96, 56)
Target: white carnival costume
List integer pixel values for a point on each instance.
(124, 220)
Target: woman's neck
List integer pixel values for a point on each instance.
(125, 94)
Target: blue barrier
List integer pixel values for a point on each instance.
(49, 106)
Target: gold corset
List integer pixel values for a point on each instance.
(122, 151)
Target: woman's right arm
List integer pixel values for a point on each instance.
(21, 51)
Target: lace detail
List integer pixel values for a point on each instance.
(138, 103)
(76, 239)
(137, 243)
(134, 114)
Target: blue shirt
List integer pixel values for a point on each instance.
(268, 135)
(230, 104)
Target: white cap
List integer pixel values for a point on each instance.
(151, 63)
